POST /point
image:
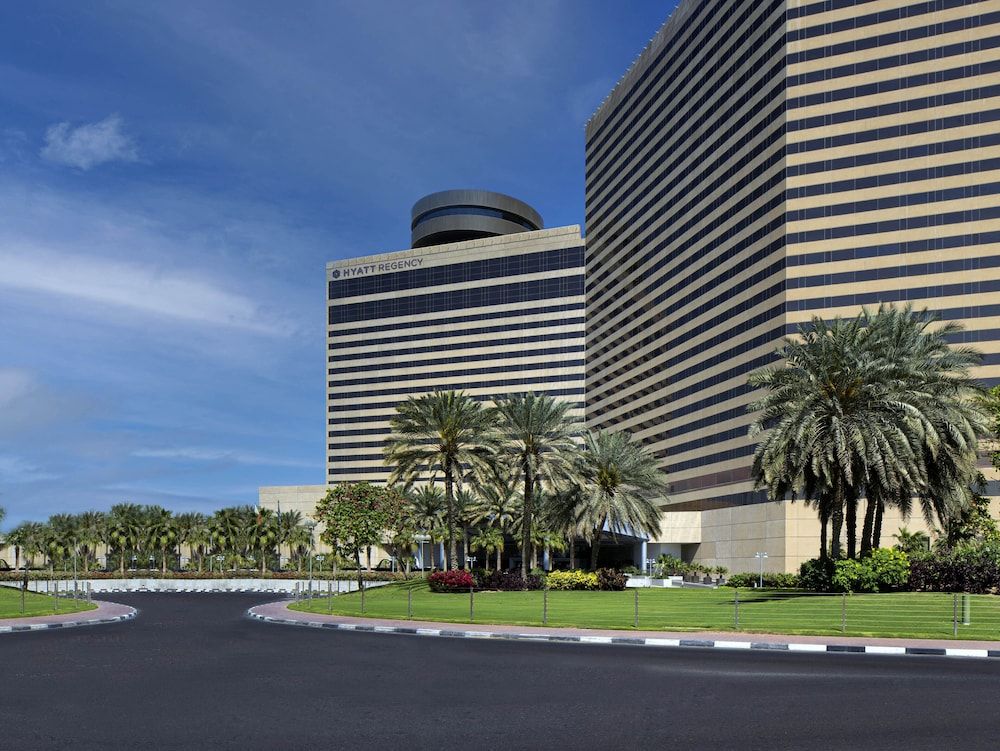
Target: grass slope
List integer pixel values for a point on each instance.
(915, 615)
(35, 604)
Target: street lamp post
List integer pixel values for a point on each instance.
(470, 562)
(311, 526)
(219, 559)
(760, 556)
(649, 565)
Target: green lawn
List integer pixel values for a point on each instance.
(926, 615)
(35, 604)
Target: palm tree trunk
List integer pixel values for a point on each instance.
(877, 527)
(595, 545)
(529, 491)
(866, 529)
(838, 523)
(449, 494)
(572, 551)
(499, 551)
(824, 521)
(465, 545)
(851, 521)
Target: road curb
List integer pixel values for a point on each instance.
(561, 638)
(132, 612)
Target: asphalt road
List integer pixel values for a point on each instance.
(192, 672)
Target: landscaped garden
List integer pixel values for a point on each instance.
(895, 614)
(37, 604)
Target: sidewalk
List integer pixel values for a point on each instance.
(278, 612)
(106, 612)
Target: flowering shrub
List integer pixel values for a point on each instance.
(772, 580)
(572, 580)
(506, 581)
(457, 580)
(610, 580)
(968, 567)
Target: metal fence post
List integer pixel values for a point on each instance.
(736, 608)
(954, 614)
(635, 623)
(545, 606)
(472, 604)
(409, 604)
(843, 613)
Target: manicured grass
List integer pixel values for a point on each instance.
(916, 615)
(36, 604)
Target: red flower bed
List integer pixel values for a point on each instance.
(458, 580)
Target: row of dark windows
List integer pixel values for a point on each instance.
(387, 416)
(639, 372)
(895, 225)
(452, 320)
(894, 178)
(900, 60)
(893, 155)
(451, 333)
(895, 131)
(897, 248)
(347, 471)
(895, 272)
(721, 456)
(517, 354)
(473, 211)
(911, 81)
(873, 19)
(392, 405)
(456, 387)
(474, 297)
(894, 108)
(732, 102)
(900, 295)
(520, 367)
(458, 273)
(478, 344)
(696, 187)
(894, 37)
(894, 202)
(385, 430)
(653, 82)
(334, 459)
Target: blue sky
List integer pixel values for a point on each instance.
(174, 176)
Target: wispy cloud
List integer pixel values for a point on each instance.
(89, 145)
(15, 469)
(140, 288)
(201, 454)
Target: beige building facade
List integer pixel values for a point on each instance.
(762, 163)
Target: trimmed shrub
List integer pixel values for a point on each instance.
(457, 580)
(610, 580)
(771, 580)
(816, 574)
(969, 567)
(506, 581)
(572, 580)
(883, 570)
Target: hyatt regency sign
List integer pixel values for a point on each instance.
(377, 268)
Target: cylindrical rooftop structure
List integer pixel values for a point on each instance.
(457, 215)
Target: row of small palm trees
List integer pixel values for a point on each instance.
(878, 410)
(522, 466)
(133, 535)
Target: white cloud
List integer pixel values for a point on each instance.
(88, 145)
(137, 287)
(14, 384)
(14, 469)
(199, 454)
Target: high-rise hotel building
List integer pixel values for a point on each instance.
(486, 302)
(763, 162)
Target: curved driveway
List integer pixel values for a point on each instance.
(193, 672)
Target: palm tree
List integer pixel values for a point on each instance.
(446, 431)
(490, 540)
(620, 480)
(123, 531)
(91, 530)
(540, 442)
(426, 512)
(465, 503)
(265, 535)
(192, 530)
(878, 405)
(287, 522)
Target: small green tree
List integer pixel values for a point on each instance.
(358, 516)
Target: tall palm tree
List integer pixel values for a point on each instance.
(539, 441)
(31, 538)
(489, 540)
(123, 531)
(287, 522)
(464, 510)
(446, 432)
(426, 512)
(91, 531)
(623, 488)
(877, 406)
(265, 535)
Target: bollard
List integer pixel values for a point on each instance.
(736, 608)
(472, 604)
(635, 621)
(545, 606)
(843, 613)
(966, 610)
(954, 615)
(409, 604)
